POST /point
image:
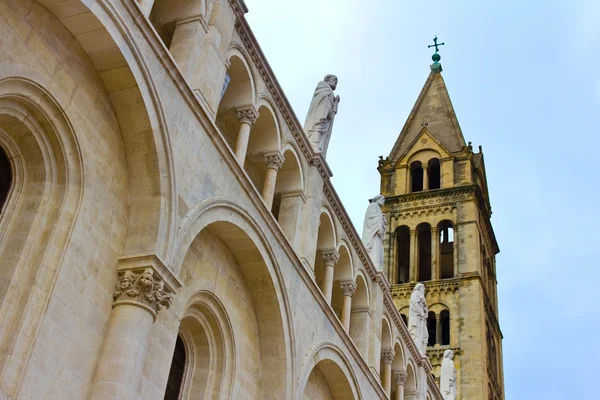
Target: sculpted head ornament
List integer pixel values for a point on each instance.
(379, 199)
(449, 354)
(332, 80)
(419, 287)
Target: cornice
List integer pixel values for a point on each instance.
(446, 286)
(436, 354)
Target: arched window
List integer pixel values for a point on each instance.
(445, 324)
(433, 170)
(404, 318)
(5, 178)
(446, 230)
(177, 372)
(424, 253)
(431, 328)
(416, 177)
(403, 253)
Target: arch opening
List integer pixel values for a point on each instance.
(177, 371)
(327, 381)
(431, 328)
(341, 273)
(434, 173)
(416, 176)
(360, 319)
(264, 139)
(446, 229)
(287, 201)
(445, 326)
(403, 254)
(6, 178)
(424, 244)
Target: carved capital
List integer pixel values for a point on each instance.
(387, 356)
(348, 288)
(413, 232)
(274, 160)
(330, 256)
(247, 115)
(142, 287)
(400, 377)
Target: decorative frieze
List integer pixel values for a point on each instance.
(144, 288)
(404, 291)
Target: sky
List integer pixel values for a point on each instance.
(522, 76)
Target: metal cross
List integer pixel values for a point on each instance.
(435, 44)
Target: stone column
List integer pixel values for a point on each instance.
(348, 288)
(438, 329)
(413, 256)
(146, 6)
(425, 177)
(400, 380)
(247, 116)
(330, 258)
(139, 296)
(435, 253)
(387, 357)
(273, 161)
(455, 250)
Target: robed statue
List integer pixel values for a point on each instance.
(322, 111)
(374, 231)
(417, 318)
(448, 376)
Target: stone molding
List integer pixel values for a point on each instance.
(400, 377)
(143, 288)
(330, 256)
(404, 290)
(365, 309)
(387, 356)
(247, 114)
(274, 160)
(348, 288)
(436, 353)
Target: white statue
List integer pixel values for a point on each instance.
(417, 318)
(322, 111)
(448, 376)
(374, 230)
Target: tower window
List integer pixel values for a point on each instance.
(5, 178)
(433, 169)
(431, 328)
(403, 253)
(416, 177)
(175, 381)
(424, 238)
(445, 324)
(446, 249)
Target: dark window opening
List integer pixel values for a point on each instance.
(5, 178)
(445, 323)
(276, 205)
(403, 316)
(403, 253)
(431, 328)
(416, 177)
(446, 250)
(424, 243)
(175, 381)
(433, 169)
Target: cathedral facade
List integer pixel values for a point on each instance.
(167, 231)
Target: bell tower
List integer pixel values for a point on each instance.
(439, 233)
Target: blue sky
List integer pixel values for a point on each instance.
(523, 80)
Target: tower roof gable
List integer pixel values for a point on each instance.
(433, 110)
(424, 141)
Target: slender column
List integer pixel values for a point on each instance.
(146, 6)
(435, 253)
(387, 356)
(273, 161)
(413, 255)
(455, 250)
(247, 116)
(330, 258)
(400, 380)
(425, 177)
(139, 296)
(438, 329)
(348, 288)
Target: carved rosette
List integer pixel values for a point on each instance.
(348, 288)
(387, 356)
(274, 161)
(142, 287)
(400, 378)
(247, 115)
(330, 257)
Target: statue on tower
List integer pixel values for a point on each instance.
(417, 318)
(322, 111)
(374, 231)
(448, 376)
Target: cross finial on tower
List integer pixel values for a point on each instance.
(436, 57)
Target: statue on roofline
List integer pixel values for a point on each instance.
(321, 113)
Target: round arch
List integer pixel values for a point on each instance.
(242, 234)
(331, 363)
